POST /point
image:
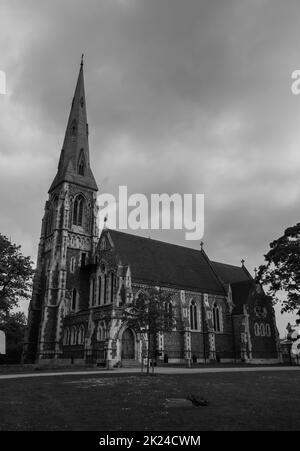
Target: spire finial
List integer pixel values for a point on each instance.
(255, 272)
(201, 245)
(242, 261)
(81, 64)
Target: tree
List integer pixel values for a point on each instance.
(281, 273)
(14, 325)
(15, 285)
(15, 275)
(151, 313)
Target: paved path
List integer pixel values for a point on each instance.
(162, 370)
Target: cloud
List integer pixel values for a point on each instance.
(188, 97)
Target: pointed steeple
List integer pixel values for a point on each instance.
(74, 162)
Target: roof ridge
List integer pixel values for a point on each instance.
(153, 239)
(227, 264)
(242, 282)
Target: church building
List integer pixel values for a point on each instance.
(83, 282)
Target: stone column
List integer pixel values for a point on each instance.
(212, 345)
(161, 345)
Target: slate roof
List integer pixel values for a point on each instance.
(164, 263)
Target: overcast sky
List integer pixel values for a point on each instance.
(188, 96)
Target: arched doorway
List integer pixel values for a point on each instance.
(128, 345)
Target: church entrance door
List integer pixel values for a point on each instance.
(128, 345)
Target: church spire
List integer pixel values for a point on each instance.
(74, 162)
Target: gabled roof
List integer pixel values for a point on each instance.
(164, 263)
(230, 273)
(240, 281)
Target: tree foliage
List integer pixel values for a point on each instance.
(281, 273)
(151, 313)
(14, 325)
(15, 275)
(15, 285)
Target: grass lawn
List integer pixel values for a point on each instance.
(123, 402)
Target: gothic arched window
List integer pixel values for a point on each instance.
(256, 330)
(92, 293)
(72, 265)
(81, 163)
(216, 318)
(262, 330)
(66, 339)
(74, 299)
(78, 211)
(99, 289)
(122, 295)
(73, 336)
(105, 289)
(81, 335)
(193, 316)
(81, 168)
(268, 330)
(75, 212)
(112, 282)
